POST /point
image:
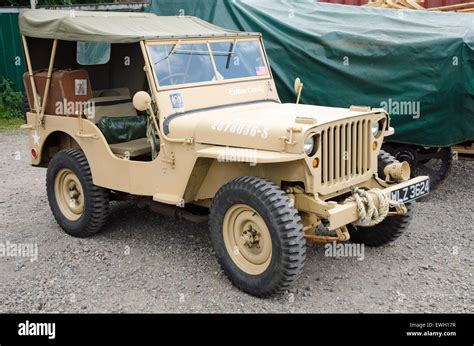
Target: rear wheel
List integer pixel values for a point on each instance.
(79, 207)
(257, 236)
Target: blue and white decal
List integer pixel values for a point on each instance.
(177, 101)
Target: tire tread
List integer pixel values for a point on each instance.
(96, 201)
(289, 230)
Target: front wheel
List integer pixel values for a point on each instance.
(385, 232)
(389, 229)
(257, 236)
(79, 207)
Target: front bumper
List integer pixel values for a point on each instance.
(338, 215)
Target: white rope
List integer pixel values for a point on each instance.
(369, 213)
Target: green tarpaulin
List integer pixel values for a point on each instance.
(416, 64)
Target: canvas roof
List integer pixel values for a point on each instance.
(115, 27)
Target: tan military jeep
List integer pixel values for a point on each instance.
(205, 138)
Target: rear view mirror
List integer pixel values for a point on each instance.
(297, 85)
(141, 101)
(298, 88)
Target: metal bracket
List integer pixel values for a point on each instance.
(342, 234)
(170, 160)
(290, 140)
(355, 108)
(87, 135)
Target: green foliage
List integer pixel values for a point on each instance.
(10, 124)
(10, 100)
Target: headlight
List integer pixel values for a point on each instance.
(309, 144)
(377, 128)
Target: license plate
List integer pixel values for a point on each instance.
(411, 192)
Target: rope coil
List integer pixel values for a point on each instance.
(369, 213)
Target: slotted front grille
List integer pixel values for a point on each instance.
(345, 151)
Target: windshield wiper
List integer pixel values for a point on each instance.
(231, 52)
(172, 51)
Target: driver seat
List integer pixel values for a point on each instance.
(120, 106)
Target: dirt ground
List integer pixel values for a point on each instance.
(143, 262)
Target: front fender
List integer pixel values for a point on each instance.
(245, 155)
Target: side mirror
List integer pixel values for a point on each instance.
(141, 101)
(297, 85)
(298, 88)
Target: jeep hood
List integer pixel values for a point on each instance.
(258, 125)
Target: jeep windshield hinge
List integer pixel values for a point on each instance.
(169, 159)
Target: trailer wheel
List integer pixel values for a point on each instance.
(257, 236)
(79, 207)
(431, 161)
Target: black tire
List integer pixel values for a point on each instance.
(385, 232)
(384, 159)
(283, 223)
(96, 199)
(389, 229)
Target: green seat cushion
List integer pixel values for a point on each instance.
(123, 129)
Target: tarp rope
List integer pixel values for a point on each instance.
(369, 213)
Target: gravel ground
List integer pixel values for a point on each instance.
(143, 262)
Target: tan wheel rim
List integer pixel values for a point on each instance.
(69, 194)
(247, 239)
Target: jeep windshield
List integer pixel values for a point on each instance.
(182, 63)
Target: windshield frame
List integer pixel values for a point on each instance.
(207, 41)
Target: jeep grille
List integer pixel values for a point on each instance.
(345, 151)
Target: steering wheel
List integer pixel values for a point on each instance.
(170, 76)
